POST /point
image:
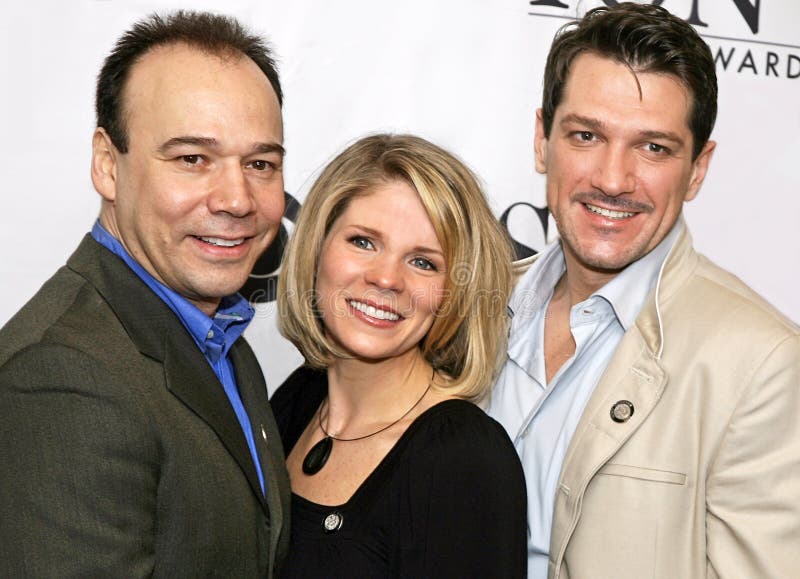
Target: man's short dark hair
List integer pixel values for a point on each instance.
(212, 33)
(645, 38)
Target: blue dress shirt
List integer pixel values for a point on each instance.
(214, 336)
(541, 417)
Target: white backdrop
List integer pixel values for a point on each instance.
(466, 74)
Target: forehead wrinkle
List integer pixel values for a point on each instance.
(169, 144)
(212, 143)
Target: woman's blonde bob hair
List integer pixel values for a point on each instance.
(467, 339)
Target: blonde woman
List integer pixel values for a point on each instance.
(394, 288)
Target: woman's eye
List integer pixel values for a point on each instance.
(422, 263)
(361, 242)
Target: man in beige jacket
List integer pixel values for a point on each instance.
(653, 398)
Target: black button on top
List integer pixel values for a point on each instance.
(333, 522)
(621, 411)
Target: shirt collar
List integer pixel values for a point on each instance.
(534, 288)
(527, 303)
(626, 292)
(213, 336)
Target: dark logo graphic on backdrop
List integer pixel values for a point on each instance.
(262, 285)
(521, 250)
(758, 53)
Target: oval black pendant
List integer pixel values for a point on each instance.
(317, 456)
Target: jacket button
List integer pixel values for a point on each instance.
(621, 411)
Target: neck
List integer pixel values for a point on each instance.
(362, 394)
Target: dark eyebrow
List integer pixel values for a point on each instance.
(212, 143)
(178, 141)
(662, 136)
(594, 124)
(264, 148)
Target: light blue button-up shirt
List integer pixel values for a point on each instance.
(539, 417)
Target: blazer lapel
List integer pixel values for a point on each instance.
(159, 334)
(635, 375)
(253, 390)
(190, 378)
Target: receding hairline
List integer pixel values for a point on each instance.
(223, 54)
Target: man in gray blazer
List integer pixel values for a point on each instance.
(136, 438)
(652, 396)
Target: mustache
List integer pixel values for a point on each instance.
(616, 203)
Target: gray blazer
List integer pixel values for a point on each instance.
(120, 454)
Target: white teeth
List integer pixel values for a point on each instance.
(374, 312)
(222, 242)
(608, 212)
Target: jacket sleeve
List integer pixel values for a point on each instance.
(78, 471)
(753, 489)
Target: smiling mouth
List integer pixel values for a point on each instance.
(609, 213)
(373, 312)
(222, 242)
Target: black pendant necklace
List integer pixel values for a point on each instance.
(321, 452)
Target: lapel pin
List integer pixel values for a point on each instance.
(621, 411)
